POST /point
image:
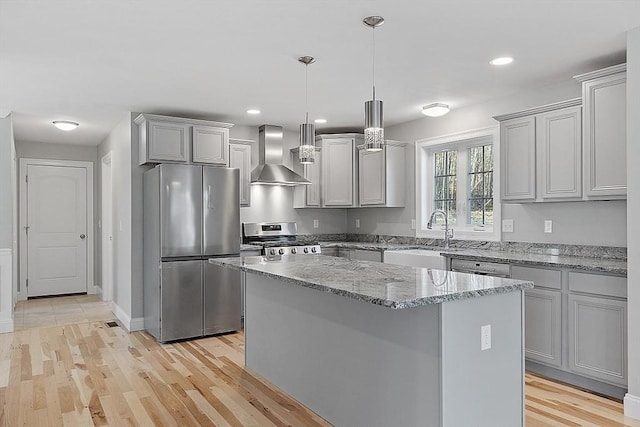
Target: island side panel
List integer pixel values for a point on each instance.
(351, 362)
(483, 387)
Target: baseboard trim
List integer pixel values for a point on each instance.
(632, 406)
(6, 325)
(130, 324)
(137, 324)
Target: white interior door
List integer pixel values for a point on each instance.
(57, 229)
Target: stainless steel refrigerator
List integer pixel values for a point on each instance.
(191, 214)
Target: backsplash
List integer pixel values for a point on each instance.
(605, 252)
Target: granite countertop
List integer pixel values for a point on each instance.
(612, 266)
(592, 264)
(369, 246)
(387, 285)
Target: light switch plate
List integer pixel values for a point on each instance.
(507, 226)
(316, 223)
(413, 224)
(548, 226)
(485, 337)
(357, 222)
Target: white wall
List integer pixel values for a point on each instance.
(119, 144)
(7, 224)
(50, 151)
(632, 400)
(594, 227)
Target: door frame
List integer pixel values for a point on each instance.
(23, 248)
(106, 195)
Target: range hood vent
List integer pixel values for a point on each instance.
(270, 170)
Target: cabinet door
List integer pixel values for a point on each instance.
(543, 326)
(598, 338)
(366, 255)
(210, 145)
(372, 174)
(167, 141)
(605, 138)
(312, 173)
(518, 159)
(337, 172)
(559, 141)
(240, 157)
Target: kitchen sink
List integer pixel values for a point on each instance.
(426, 258)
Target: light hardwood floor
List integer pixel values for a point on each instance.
(89, 374)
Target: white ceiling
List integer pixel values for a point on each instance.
(92, 61)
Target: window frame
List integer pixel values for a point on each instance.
(424, 154)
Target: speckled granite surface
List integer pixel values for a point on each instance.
(604, 265)
(387, 285)
(599, 259)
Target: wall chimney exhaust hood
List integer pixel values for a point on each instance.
(270, 170)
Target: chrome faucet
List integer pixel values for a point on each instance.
(448, 233)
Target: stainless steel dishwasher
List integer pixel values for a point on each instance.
(482, 268)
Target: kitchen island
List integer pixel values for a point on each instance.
(370, 344)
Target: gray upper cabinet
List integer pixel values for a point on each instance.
(210, 145)
(339, 170)
(164, 139)
(560, 152)
(541, 153)
(381, 175)
(604, 124)
(240, 157)
(307, 196)
(518, 159)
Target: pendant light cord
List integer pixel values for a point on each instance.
(373, 65)
(306, 93)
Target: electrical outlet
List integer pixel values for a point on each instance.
(485, 337)
(316, 223)
(507, 226)
(357, 222)
(120, 225)
(413, 224)
(548, 226)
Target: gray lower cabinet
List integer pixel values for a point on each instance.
(543, 326)
(597, 338)
(354, 254)
(366, 255)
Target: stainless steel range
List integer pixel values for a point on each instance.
(277, 239)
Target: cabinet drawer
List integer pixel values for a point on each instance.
(598, 284)
(539, 276)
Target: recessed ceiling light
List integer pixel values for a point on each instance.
(435, 110)
(253, 111)
(503, 60)
(65, 125)
(320, 121)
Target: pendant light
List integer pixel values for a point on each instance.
(307, 151)
(373, 127)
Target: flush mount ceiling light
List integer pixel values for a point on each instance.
(503, 60)
(320, 121)
(435, 110)
(65, 125)
(307, 151)
(253, 111)
(373, 127)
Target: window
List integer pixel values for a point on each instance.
(456, 174)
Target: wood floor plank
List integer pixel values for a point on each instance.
(87, 374)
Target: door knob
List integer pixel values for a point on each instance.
(82, 236)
